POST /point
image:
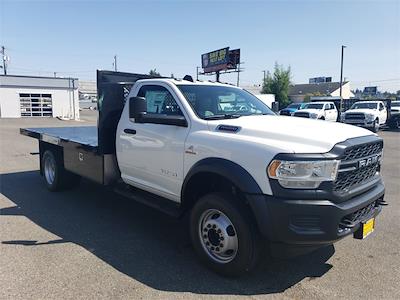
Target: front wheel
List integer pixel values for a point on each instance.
(223, 235)
(376, 126)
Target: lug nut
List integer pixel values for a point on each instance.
(217, 249)
(221, 238)
(205, 236)
(208, 225)
(214, 226)
(219, 231)
(207, 243)
(212, 248)
(221, 245)
(205, 229)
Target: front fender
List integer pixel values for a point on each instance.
(227, 169)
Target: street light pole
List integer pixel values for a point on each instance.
(341, 79)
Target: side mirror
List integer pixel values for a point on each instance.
(137, 108)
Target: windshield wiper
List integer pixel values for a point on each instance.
(222, 116)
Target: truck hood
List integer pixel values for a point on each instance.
(311, 110)
(362, 110)
(288, 134)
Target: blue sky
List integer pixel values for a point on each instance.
(74, 38)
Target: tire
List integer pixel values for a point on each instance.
(224, 235)
(376, 126)
(55, 176)
(322, 118)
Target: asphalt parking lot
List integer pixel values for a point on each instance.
(88, 243)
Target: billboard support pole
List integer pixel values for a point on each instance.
(238, 71)
(217, 76)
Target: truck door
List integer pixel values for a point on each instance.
(382, 114)
(327, 112)
(334, 112)
(151, 157)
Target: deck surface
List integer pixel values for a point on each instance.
(85, 135)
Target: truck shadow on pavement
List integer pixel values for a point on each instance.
(140, 242)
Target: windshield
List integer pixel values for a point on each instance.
(222, 102)
(366, 105)
(294, 105)
(397, 104)
(314, 106)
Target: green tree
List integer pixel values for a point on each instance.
(278, 84)
(154, 72)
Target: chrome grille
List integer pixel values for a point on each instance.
(302, 114)
(361, 151)
(357, 175)
(346, 180)
(358, 116)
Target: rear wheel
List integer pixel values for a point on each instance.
(223, 235)
(55, 176)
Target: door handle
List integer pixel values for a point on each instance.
(130, 131)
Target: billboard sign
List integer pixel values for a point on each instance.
(370, 90)
(319, 80)
(221, 59)
(215, 60)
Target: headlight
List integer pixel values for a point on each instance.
(303, 174)
(369, 117)
(313, 116)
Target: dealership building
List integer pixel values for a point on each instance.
(33, 96)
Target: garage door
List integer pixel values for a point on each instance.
(36, 105)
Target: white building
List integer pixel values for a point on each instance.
(256, 91)
(33, 96)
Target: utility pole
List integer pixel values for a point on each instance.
(341, 79)
(55, 74)
(197, 73)
(265, 72)
(3, 57)
(115, 63)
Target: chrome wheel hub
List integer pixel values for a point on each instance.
(49, 169)
(218, 236)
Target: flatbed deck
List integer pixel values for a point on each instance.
(82, 135)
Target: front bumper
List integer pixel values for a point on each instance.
(312, 223)
(361, 123)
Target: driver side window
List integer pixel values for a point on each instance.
(159, 100)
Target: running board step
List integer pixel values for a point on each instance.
(162, 204)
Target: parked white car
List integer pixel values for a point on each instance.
(319, 110)
(395, 109)
(368, 114)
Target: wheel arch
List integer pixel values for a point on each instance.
(216, 174)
